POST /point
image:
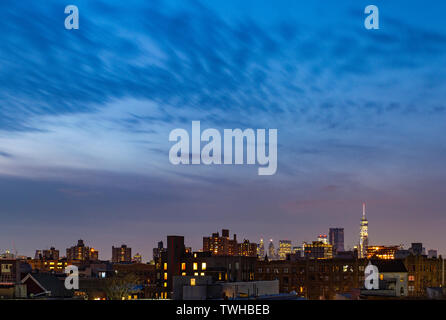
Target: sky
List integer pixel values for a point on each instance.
(85, 117)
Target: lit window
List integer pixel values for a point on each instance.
(165, 265)
(196, 274)
(195, 266)
(165, 284)
(165, 275)
(183, 266)
(203, 266)
(202, 274)
(411, 278)
(381, 277)
(192, 282)
(183, 274)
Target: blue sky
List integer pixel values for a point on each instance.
(85, 116)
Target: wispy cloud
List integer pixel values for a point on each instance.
(358, 112)
(191, 58)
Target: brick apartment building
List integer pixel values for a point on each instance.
(324, 278)
(176, 260)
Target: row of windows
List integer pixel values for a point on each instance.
(345, 268)
(183, 266)
(430, 268)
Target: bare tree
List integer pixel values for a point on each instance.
(120, 286)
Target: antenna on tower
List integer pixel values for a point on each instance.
(363, 209)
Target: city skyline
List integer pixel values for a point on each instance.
(147, 253)
(86, 115)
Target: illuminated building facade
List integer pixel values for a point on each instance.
(51, 253)
(382, 252)
(177, 261)
(93, 254)
(423, 273)
(82, 253)
(261, 249)
(221, 245)
(137, 258)
(48, 265)
(271, 250)
(318, 250)
(247, 249)
(158, 250)
(298, 251)
(284, 249)
(7, 255)
(121, 254)
(313, 278)
(322, 238)
(363, 234)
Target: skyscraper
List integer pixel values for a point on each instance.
(261, 249)
(363, 235)
(336, 239)
(271, 250)
(284, 249)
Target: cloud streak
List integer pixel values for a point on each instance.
(358, 112)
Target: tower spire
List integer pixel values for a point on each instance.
(363, 210)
